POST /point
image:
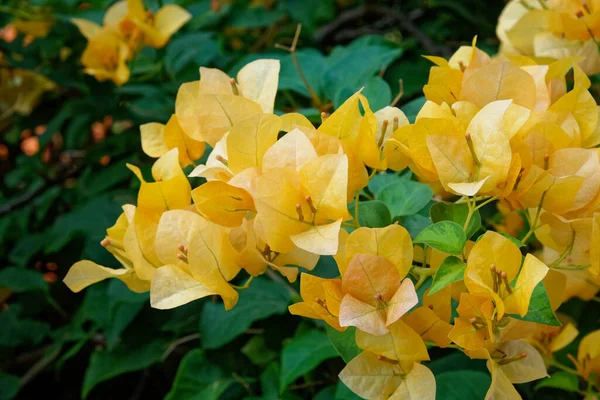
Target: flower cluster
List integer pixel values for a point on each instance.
(276, 197)
(552, 30)
(127, 28)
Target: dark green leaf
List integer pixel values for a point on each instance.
(379, 181)
(198, 379)
(372, 213)
(451, 270)
(18, 331)
(560, 380)
(262, 299)
(540, 310)
(21, 280)
(344, 342)
(105, 365)
(258, 352)
(405, 197)
(303, 354)
(517, 242)
(9, 386)
(460, 385)
(378, 92)
(456, 213)
(415, 224)
(445, 236)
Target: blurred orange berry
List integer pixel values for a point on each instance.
(98, 132)
(40, 129)
(85, 6)
(30, 146)
(108, 121)
(3, 152)
(46, 155)
(27, 40)
(50, 277)
(51, 266)
(25, 133)
(104, 160)
(8, 33)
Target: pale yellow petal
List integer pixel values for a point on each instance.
(173, 287)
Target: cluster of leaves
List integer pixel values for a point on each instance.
(496, 161)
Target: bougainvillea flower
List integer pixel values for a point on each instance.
(105, 55)
(208, 108)
(375, 296)
(512, 362)
(550, 339)
(194, 249)
(170, 191)
(392, 243)
(301, 198)
(136, 25)
(222, 203)
(255, 256)
(493, 264)
(157, 139)
(551, 30)
(321, 300)
(375, 131)
(588, 355)
(479, 160)
(429, 326)
(401, 343)
(374, 377)
(122, 243)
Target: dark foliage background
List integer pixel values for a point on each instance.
(55, 205)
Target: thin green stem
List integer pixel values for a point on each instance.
(356, 222)
(552, 362)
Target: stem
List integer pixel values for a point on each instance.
(533, 226)
(552, 362)
(177, 343)
(292, 51)
(245, 285)
(356, 222)
(470, 214)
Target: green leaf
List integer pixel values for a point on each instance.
(379, 181)
(344, 342)
(451, 270)
(517, 242)
(415, 224)
(105, 364)
(456, 213)
(540, 310)
(460, 385)
(454, 361)
(312, 63)
(261, 300)
(351, 67)
(342, 392)
(17, 331)
(256, 350)
(445, 236)
(405, 197)
(378, 92)
(412, 108)
(560, 380)
(20, 280)
(195, 48)
(372, 213)
(303, 354)
(9, 386)
(198, 378)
